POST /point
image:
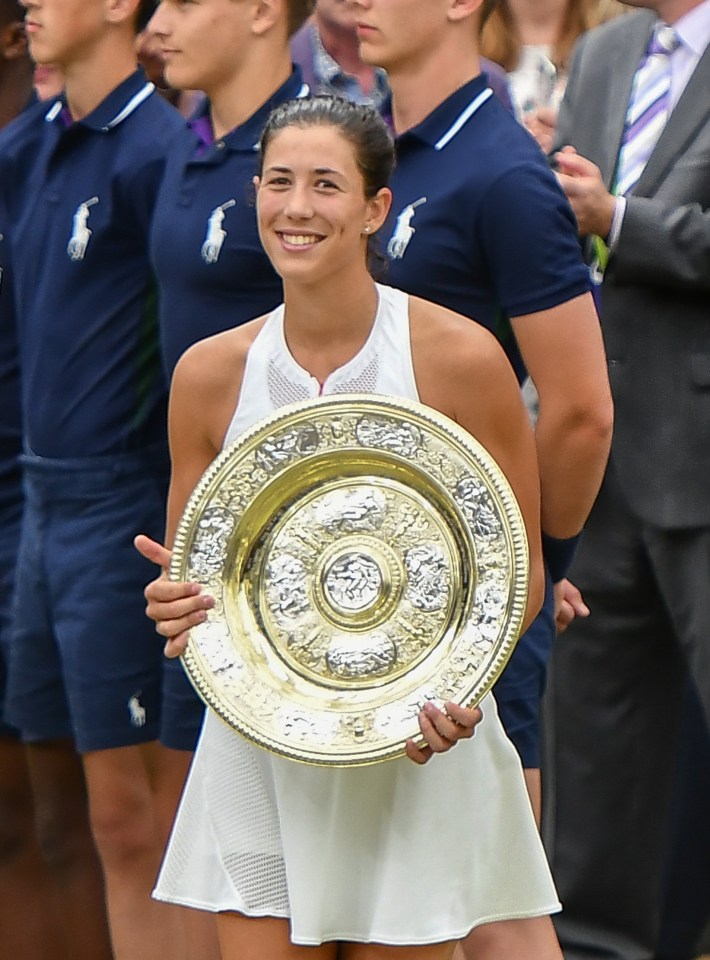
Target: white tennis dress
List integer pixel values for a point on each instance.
(394, 853)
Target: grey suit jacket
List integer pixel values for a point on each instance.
(655, 302)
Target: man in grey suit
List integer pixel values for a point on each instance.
(644, 563)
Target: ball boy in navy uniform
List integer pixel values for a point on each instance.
(480, 226)
(211, 269)
(95, 462)
(44, 911)
(210, 265)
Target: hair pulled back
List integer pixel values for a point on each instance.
(362, 127)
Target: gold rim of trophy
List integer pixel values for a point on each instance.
(366, 554)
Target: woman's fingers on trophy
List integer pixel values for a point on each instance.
(152, 550)
(175, 646)
(466, 718)
(443, 729)
(418, 752)
(439, 730)
(176, 607)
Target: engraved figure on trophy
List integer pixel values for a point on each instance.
(276, 451)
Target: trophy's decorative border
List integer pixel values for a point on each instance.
(243, 679)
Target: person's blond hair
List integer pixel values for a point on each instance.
(500, 41)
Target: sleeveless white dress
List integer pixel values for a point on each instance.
(393, 853)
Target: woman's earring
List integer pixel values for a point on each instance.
(366, 229)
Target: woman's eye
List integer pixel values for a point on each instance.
(326, 185)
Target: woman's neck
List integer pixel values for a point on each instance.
(327, 324)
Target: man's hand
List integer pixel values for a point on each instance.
(569, 604)
(174, 607)
(590, 200)
(442, 731)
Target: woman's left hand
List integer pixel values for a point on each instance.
(442, 730)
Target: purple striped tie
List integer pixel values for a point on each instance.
(648, 108)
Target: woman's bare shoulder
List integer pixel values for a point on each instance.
(444, 339)
(210, 362)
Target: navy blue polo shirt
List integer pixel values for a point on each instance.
(18, 144)
(92, 380)
(479, 223)
(10, 420)
(211, 268)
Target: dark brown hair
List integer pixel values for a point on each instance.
(146, 9)
(361, 125)
(11, 11)
(298, 12)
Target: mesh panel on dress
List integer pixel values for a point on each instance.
(281, 389)
(183, 843)
(245, 822)
(364, 382)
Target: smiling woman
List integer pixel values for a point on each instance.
(310, 202)
(360, 863)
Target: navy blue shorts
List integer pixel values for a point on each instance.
(519, 690)
(10, 516)
(183, 711)
(85, 662)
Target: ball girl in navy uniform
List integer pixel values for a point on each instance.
(361, 863)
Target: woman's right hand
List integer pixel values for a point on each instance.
(174, 607)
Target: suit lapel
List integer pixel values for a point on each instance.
(691, 111)
(631, 49)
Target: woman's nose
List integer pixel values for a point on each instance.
(299, 206)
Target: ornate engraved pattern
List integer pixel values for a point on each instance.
(366, 555)
(349, 510)
(427, 577)
(381, 434)
(274, 452)
(353, 582)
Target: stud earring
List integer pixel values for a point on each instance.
(366, 229)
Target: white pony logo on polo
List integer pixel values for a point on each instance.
(215, 236)
(80, 235)
(136, 710)
(403, 230)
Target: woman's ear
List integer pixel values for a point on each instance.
(378, 208)
(257, 183)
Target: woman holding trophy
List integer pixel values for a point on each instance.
(399, 859)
